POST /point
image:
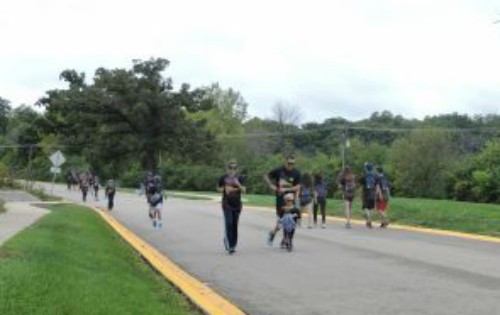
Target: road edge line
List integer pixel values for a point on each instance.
(200, 294)
(424, 230)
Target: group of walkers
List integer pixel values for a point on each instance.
(87, 181)
(298, 193)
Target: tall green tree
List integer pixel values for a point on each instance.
(124, 113)
(420, 163)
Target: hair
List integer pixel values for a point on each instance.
(348, 174)
(307, 180)
(318, 178)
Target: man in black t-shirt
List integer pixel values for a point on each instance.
(282, 180)
(231, 187)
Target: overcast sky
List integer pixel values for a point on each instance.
(331, 58)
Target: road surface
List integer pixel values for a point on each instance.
(331, 271)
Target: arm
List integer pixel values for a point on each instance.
(220, 184)
(269, 183)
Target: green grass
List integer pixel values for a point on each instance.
(71, 262)
(440, 214)
(42, 195)
(2, 206)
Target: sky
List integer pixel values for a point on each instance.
(330, 58)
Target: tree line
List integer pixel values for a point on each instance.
(123, 122)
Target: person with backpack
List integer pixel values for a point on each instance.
(320, 191)
(231, 185)
(306, 198)
(383, 195)
(282, 180)
(369, 183)
(95, 186)
(156, 206)
(109, 192)
(347, 183)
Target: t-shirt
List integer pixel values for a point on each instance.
(233, 198)
(321, 189)
(284, 178)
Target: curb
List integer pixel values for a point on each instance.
(200, 294)
(463, 235)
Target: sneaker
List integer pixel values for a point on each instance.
(154, 223)
(160, 225)
(323, 226)
(348, 225)
(283, 244)
(231, 251)
(226, 245)
(369, 224)
(270, 239)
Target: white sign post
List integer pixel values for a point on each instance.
(57, 160)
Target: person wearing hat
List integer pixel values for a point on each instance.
(231, 186)
(282, 180)
(291, 214)
(369, 183)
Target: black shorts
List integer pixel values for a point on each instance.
(279, 206)
(369, 204)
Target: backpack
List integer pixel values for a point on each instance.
(370, 182)
(385, 188)
(305, 196)
(321, 189)
(349, 189)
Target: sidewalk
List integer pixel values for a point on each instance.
(19, 216)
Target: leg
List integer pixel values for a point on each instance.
(309, 209)
(323, 210)
(315, 211)
(236, 218)
(348, 212)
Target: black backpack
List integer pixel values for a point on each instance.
(385, 187)
(370, 182)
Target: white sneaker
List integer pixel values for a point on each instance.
(323, 226)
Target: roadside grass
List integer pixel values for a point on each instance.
(439, 214)
(2, 206)
(42, 195)
(71, 262)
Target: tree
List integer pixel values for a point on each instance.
(124, 114)
(420, 163)
(5, 110)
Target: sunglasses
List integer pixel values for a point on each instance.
(232, 167)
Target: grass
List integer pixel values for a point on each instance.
(71, 262)
(440, 214)
(2, 206)
(42, 195)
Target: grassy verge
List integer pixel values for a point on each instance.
(71, 262)
(42, 195)
(2, 206)
(440, 214)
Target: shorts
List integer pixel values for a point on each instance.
(158, 207)
(368, 204)
(382, 205)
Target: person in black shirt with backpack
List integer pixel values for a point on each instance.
(231, 187)
(369, 184)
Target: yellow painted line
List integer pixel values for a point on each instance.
(475, 237)
(200, 294)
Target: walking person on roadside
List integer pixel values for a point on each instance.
(282, 180)
(306, 198)
(320, 191)
(95, 187)
(368, 182)
(347, 183)
(109, 192)
(383, 195)
(156, 204)
(231, 185)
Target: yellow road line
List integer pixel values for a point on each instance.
(475, 237)
(200, 294)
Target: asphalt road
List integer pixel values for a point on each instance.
(331, 271)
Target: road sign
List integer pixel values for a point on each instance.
(55, 170)
(57, 159)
